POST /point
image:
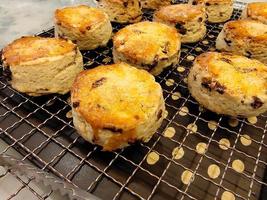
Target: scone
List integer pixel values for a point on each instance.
(154, 4)
(147, 45)
(256, 11)
(229, 84)
(188, 19)
(88, 27)
(217, 10)
(122, 11)
(116, 105)
(244, 37)
(38, 66)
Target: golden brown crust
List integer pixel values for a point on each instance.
(252, 30)
(233, 72)
(81, 17)
(154, 4)
(180, 12)
(257, 9)
(31, 48)
(117, 98)
(214, 1)
(106, 101)
(141, 42)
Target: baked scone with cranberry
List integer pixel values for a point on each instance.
(217, 10)
(116, 105)
(188, 19)
(229, 84)
(38, 66)
(154, 4)
(147, 45)
(256, 11)
(88, 27)
(244, 37)
(122, 11)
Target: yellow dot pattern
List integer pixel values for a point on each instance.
(166, 113)
(212, 125)
(214, 171)
(177, 153)
(187, 177)
(152, 158)
(238, 166)
(224, 144)
(190, 58)
(169, 82)
(198, 49)
(252, 120)
(169, 132)
(205, 42)
(201, 148)
(183, 111)
(245, 140)
(227, 196)
(176, 95)
(180, 69)
(233, 122)
(192, 128)
(69, 114)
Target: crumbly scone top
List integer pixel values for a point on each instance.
(81, 17)
(257, 9)
(31, 48)
(146, 41)
(115, 97)
(236, 75)
(212, 1)
(250, 29)
(180, 12)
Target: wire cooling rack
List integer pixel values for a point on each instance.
(195, 154)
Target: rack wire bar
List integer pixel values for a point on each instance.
(206, 156)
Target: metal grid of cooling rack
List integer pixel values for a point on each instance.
(38, 127)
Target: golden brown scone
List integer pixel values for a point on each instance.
(256, 11)
(37, 66)
(147, 45)
(229, 84)
(88, 27)
(244, 37)
(217, 10)
(116, 105)
(122, 11)
(154, 4)
(188, 19)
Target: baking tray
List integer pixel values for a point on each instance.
(216, 158)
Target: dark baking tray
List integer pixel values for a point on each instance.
(40, 130)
